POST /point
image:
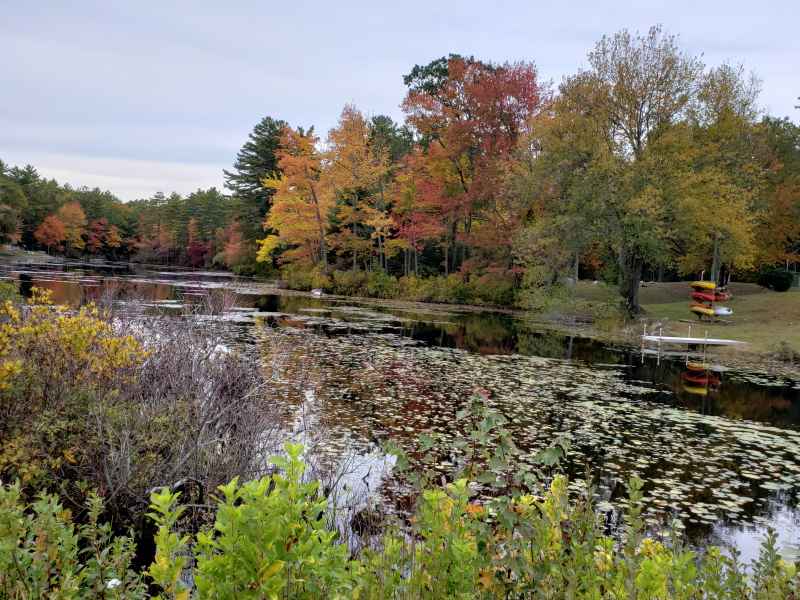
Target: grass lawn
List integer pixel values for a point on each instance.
(761, 317)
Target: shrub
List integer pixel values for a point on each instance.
(8, 291)
(44, 555)
(297, 278)
(269, 539)
(83, 405)
(349, 283)
(415, 289)
(778, 280)
(452, 289)
(784, 352)
(494, 288)
(381, 285)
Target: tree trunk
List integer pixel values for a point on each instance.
(630, 264)
(323, 249)
(577, 267)
(715, 261)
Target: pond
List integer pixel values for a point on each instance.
(722, 456)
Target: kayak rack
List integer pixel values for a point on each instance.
(695, 346)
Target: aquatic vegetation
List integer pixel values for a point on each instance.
(698, 468)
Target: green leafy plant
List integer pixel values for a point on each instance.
(44, 555)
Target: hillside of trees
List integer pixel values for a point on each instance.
(645, 164)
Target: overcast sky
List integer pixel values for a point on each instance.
(139, 97)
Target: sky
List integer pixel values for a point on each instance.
(140, 97)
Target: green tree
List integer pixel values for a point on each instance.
(12, 204)
(636, 87)
(256, 161)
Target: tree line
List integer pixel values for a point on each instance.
(646, 163)
(204, 228)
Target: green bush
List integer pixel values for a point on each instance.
(270, 539)
(494, 288)
(44, 555)
(8, 291)
(414, 288)
(349, 283)
(778, 280)
(453, 289)
(381, 285)
(305, 279)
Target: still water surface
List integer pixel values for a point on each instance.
(724, 459)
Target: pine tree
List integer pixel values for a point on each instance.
(254, 162)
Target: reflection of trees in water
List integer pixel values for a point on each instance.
(25, 285)
(532, 343)
(487, 333)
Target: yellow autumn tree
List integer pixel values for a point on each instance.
(355, 172)
(74, 220)
(300, 204)
(716, 222)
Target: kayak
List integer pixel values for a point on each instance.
(703, 296)
(703, 285)
(693, 389)
(723, 311)
(710, 296)
(700, 378)
(693, 366)
(701, 310)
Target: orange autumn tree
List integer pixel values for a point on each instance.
(232, 244)
(113, 239)
(50, 233)
(355, 171)
(301, 203)
(74, 220)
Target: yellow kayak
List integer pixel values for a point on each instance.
(693, 389)
(701, 310)
(703, 285)
(695, 366)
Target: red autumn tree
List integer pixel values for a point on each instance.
(196, 249)
(96, 236)
(50, 233)
(232, 245)
(470, 116)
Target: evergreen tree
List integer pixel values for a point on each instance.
(255, 161)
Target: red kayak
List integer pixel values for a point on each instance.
(710, 296)
(701, 378)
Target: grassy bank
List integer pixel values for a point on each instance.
(768, 321)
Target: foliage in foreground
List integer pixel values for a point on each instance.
(270, 540)
(90, 401)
